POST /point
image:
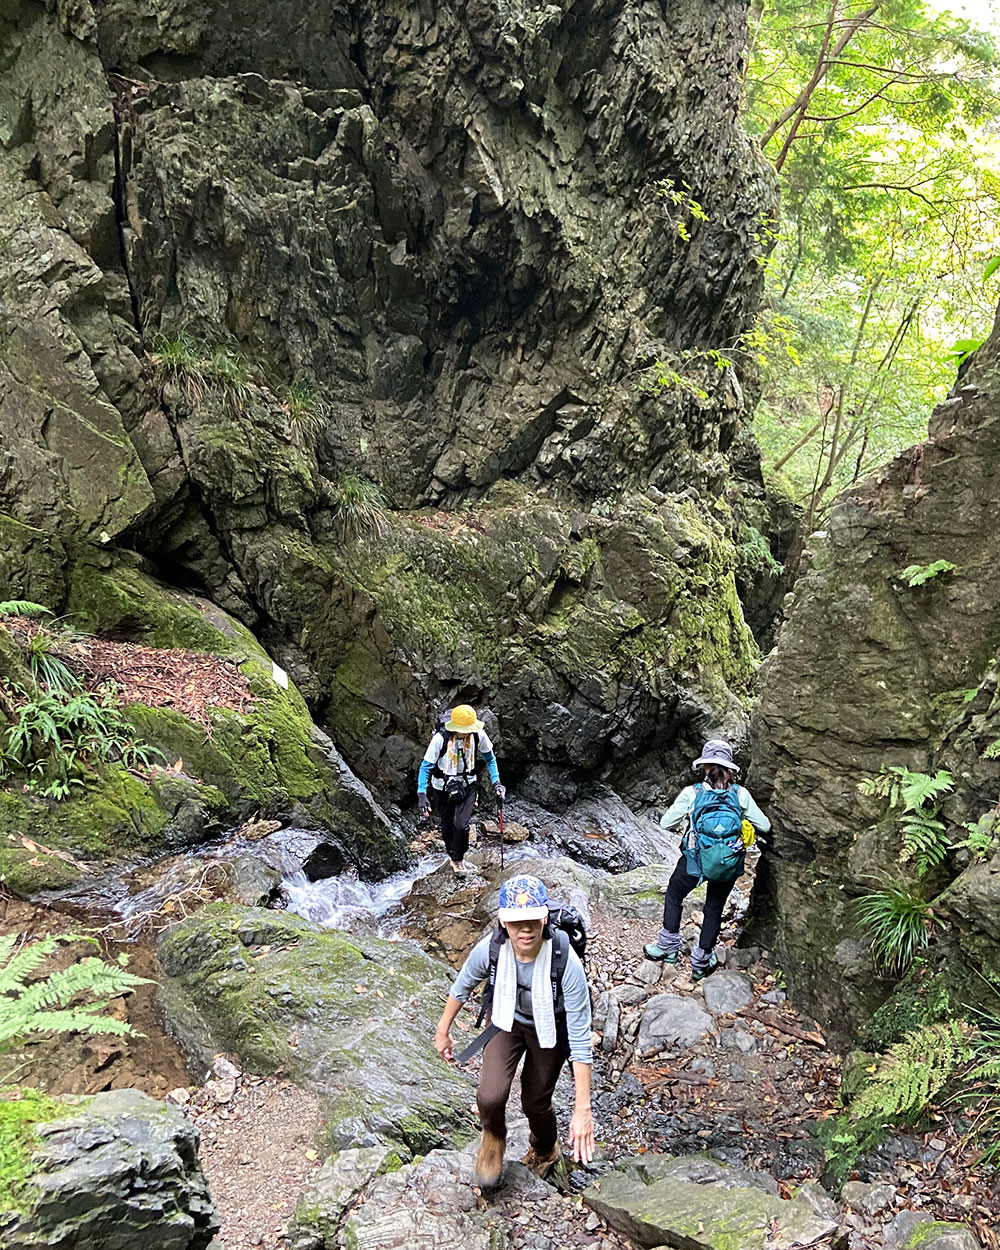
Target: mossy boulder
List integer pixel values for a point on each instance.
(353, 1018)
(119, 1169)
(267, 757)
(694, 1203)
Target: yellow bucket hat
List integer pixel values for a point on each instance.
(463, 720)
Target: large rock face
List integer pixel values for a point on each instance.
(463, 237)
(870, 673)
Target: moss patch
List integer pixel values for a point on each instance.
(116, 815)
(116, 600)
(18, 1118)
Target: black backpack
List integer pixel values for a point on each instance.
(565, 928)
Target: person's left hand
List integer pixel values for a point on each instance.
(581, 1135)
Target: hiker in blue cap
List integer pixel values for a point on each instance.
(537, 1011)
(719, 819)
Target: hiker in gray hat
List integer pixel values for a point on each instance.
(719, 820)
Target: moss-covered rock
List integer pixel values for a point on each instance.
(18, 1141)
(268, 757)
(351, 1017)
(578, 631)
(116, 1169)
(701, 1205)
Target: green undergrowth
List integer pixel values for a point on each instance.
(19, 1114)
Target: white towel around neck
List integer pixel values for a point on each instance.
(505, 994)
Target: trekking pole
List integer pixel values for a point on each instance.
(500, 822)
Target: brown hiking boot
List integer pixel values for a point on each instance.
(489, 1160)
(541, 1165)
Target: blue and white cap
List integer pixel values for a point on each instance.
(523, 898)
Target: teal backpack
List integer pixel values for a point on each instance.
(714, 847)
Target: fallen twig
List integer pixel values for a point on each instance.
(792, 1030)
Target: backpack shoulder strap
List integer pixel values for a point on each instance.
(560, 958)
(497, 940)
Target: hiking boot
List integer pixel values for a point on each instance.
(459, 869)
(699, 974)
(541, 1165)
(489, 1161)
(658, 955)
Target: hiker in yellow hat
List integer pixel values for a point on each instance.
(457, 747)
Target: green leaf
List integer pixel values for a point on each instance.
(991, 268)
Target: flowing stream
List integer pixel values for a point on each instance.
(172, 883)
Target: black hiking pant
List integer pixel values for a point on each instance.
(455, 813)
(679, 886)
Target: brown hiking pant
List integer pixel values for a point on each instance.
(538, 1080)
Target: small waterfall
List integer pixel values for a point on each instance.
(347, 903)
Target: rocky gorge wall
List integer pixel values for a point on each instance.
(874, 673)
(250, 256)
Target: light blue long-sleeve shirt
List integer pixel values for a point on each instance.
(681, 807)
(576, 995)
(484, 754)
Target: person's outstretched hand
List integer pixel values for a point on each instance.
(443, 1046)
(581, 1135)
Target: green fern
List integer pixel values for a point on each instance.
(45, 1004)
(925, 836)
(23, 607)
(925, 841)
(914, 1071)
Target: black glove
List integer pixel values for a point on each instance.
(423, 806)
(501, 793)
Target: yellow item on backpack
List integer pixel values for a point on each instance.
(749, 835)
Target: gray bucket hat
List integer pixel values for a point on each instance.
(717, 752)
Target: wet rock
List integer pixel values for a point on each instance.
(669, 1019)
(600, 830)
(743, 956)
(352, 1017)
(611, 1025)
(249, 881)
(727, 992)
(648, 972)
(774, 997)
(638, 893)
(696, 1202)
(122, 1169)
(933, 1234)
(868, 1199)
(430, 1204)
(628, 995)
(900, 1232)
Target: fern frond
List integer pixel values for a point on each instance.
(45, 1005)
(917, 789)
(90, 975)
(23, 607)
(914, 1071)
(925, 840)
(16, 966)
